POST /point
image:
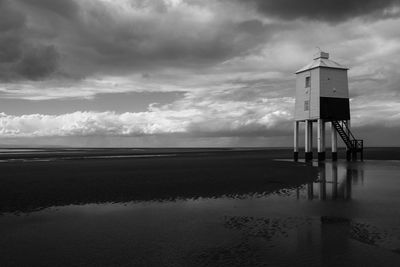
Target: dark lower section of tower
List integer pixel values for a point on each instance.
(334, 108)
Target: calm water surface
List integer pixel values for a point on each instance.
(349, 216)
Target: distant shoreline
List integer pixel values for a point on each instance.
(376, 153)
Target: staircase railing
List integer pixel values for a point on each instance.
(353, 144)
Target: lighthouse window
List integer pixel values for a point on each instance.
(306, 105)
(308, 81)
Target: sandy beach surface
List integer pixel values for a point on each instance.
(197, 207)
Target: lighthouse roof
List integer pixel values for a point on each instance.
(321, 59)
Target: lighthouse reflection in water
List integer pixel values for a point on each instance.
(334, 181)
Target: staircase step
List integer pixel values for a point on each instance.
(346, 135)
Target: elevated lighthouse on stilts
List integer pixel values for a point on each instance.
(322, 95)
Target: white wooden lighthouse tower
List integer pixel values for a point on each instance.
(322, 95)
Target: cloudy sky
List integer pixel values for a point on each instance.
(188, 72)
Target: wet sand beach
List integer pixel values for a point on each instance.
(204, 207)
(32, 185)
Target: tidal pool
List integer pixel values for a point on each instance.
(349, 216)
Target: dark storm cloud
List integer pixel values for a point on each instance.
(21, 58)
(123, 37)
(38, 62)
(10, 19)
(140, 45)
(10, 48)
(325, 10)
(64, 8)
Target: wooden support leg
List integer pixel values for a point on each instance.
(308, 140)
(296, 141)
(321, 140)
(334, 142)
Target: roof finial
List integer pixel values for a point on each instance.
(321, 54)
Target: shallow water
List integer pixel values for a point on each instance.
(349, 216)
(31, 159)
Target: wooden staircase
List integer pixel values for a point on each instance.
(353, 145)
